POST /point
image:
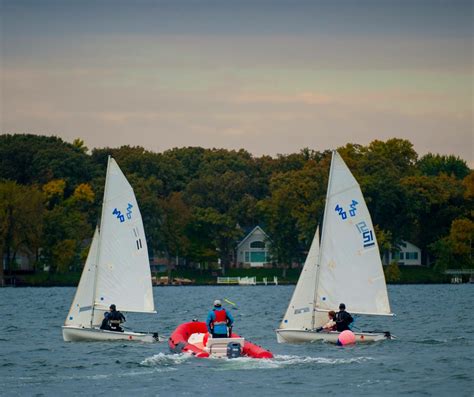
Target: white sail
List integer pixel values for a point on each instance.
(123, 275)
(81, 308)
(350, 266)
(300, 311)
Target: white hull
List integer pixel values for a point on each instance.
(76, 334)
(304, 336)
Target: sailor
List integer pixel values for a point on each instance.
(113, 319)
(330, 325)
(343, 319)
(218, 320)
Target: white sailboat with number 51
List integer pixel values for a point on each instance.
(346, 268)
(117, 269)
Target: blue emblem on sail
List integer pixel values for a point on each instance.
(353, 207)
(352, 211)
(129, 211)
(119, 215)
(341, 212)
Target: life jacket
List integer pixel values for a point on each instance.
(221, 317)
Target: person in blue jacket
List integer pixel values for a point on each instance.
(218, 320)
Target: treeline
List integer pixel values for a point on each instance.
(196, 203)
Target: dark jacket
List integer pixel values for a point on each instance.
(343, 319)
(115, 316)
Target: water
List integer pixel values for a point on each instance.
(432, 356)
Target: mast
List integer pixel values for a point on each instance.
(322, 239)
(100, 240)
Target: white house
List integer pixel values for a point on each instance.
(407, 254)
(254, 249)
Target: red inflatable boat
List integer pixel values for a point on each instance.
(193, 338)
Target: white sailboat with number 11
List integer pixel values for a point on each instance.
(117, 269)
(345, 268)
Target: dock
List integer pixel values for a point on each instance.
(245, 281)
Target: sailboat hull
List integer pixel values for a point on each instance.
(76, 334)
(305, 336)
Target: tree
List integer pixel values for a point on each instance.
(176, 217)
(433, 202)
(21, 216)
(462, 237)
(378, 169)
(435, 164)
(54, 192)
(293, 209)
(67, 225)
(212, 235)
(33, 159)
(454, 251)
(65, 231)
(392, 272)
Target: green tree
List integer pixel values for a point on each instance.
(378, 169)
(392, 272)
(433, 202)
(294, 208)
(212, 236)
(462, 237)
(454, 251)
(32, 159)
(176, 218)
(21, 215)
(435, 164)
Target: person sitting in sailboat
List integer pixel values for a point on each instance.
(112, 320)
(218, 320)
(331, 324)
(343, 319)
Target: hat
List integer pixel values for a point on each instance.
(217, 302)
(113, 307)
(342, 306)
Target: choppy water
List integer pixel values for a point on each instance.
(433, 354)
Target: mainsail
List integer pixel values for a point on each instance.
(117, 269)
(123, 275)
(350, 266)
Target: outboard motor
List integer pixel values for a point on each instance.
(234, 350)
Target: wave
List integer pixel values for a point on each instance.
(279, 361)
(285, 361)
(431, 341)
(162, 359)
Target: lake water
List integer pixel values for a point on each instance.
(432, 356)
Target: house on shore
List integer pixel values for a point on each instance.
(407, 254)
(254, 250)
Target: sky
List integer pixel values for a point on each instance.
(271, 77)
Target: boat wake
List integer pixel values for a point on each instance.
(246, 363)
(165, 360)
(285, 361)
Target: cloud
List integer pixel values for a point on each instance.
(306, 98)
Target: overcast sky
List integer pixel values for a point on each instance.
(268, 76)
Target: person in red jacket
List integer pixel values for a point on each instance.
(218, 320)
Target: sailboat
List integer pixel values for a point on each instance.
(346, 267)
(117, 269)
